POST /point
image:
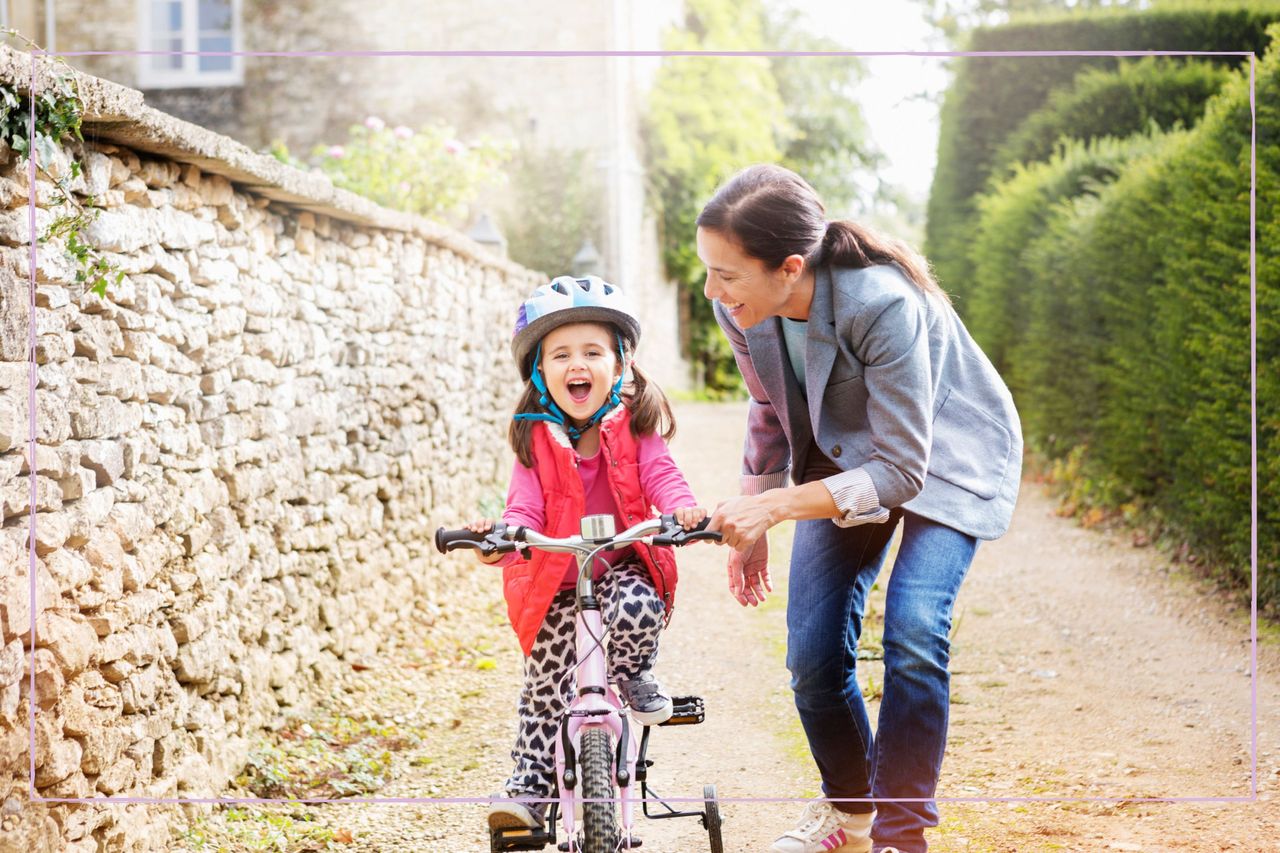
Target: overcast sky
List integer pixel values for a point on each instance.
(905, 127)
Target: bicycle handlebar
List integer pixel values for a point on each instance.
(662, 531)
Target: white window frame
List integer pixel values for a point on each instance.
(189, 75)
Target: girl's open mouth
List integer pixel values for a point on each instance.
(579, 390)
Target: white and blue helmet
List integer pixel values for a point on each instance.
(566, 299)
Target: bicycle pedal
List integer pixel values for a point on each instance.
(686, 711)
(520, 838)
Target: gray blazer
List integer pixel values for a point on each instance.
(897, 389)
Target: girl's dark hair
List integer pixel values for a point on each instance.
(650, 411)
(773, 213)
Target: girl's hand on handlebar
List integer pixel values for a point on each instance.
(689, 516)
(483, 525)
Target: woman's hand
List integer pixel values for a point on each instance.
(689, 516)
(749, 574)
(742, 520)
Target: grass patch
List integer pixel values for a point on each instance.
(283, 829)
(332, 755)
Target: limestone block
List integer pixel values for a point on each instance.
(104, 550)
(215, 190)
(70, 637)
(105, 458)
(13, 663)
(52, 530)
(97, 337)
(54, 347)
(158, 174)
(10, 699)
(107, 418)
(131, 522)
(139, 691)
(96, 168)
(49, 681)
(15, 496)
(136, 193)
(124, 229)
(14, 428)
(62, 759)
(117, 671)
(69, 569)
(169, 266)
(118, 777)
(77, 483)
(197, 661)
(101, 742)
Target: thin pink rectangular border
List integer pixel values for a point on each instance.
(1253, 399)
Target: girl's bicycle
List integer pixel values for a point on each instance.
(597, 746)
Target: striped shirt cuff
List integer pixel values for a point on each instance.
(754, 484)
(855, 496)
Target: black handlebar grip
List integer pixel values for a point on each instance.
(450, 540)
(682, 536)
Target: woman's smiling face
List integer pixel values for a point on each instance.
(746, 288)
(580, 365)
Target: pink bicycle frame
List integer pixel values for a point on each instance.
(599, 708)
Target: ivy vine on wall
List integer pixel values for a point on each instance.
(58, 110)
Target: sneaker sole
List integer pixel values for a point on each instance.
(509, 820)
(653, 718)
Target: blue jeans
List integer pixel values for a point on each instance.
(832, 569)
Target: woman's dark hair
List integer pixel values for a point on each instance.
(773, 213)
(650, 411)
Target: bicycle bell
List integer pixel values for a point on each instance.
(597, 528)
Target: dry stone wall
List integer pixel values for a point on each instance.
(241, 454)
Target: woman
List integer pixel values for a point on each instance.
(867, 394)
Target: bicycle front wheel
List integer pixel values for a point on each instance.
(599, 820)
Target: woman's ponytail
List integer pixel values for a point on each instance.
(772, 213)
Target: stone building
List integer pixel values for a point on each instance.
(587, 103)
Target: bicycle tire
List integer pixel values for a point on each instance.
(599, 820)
(711, 818)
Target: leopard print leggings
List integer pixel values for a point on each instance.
(631, 603)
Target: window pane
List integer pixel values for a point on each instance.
(215, 15)
(215, 63)
(166, 15)
(166, 61)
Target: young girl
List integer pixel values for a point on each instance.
(589, 436)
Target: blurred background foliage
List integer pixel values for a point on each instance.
(711, 116)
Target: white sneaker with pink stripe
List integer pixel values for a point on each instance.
(824, 829)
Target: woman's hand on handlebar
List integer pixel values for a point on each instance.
(743, 520)
(690, 516)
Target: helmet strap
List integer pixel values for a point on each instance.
(554, 414)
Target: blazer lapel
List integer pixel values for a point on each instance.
(820, 343)
(773, 367)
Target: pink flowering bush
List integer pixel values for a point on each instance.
(426, 171)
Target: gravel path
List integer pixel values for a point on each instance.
(1083, 668)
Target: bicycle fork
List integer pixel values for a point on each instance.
(595, 706)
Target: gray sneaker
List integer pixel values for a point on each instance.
(515, 812)
(649, 704)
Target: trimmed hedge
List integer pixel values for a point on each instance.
(991, 97)
(1135, 342)
(1168, 93)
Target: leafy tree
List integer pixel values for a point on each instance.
(554, 202)
(709, 117)
(956, 17)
